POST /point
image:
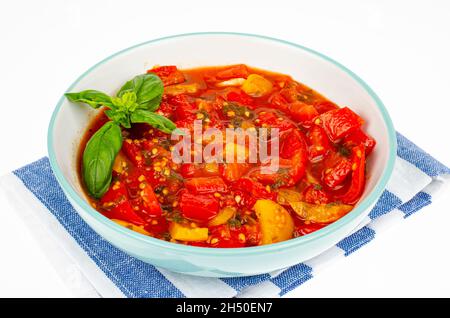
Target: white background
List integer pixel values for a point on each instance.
(401, 48)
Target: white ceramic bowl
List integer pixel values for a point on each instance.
(326, 76)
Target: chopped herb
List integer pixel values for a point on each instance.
(317, 186)
(175, 216)
(344, 151)
(147, 157)
(240, 111)
(235, 222)
(236, 121)
(165, 143)
(158, 189)
(166, 236)
(175, 176)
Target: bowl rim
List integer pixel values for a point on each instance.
(175, 247)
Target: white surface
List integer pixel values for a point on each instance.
(400, 48)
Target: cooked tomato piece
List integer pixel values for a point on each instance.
(303, 113)
(203, 185)
(358, 137)
(198, 207)
(315, 194)
(168, 74)
(339, 123)
(232, 171)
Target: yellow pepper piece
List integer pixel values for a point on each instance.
(131, 226)
(181, 89)
(285, 196)
(185, 233)
(223, 216)
(276, 223)
(255, 85)
(119, 163)
(320, 213)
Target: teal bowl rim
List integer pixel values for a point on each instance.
(355, 213)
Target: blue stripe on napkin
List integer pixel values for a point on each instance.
(422, 160)
(356, 240)
(133, 277)
(419, 201)
(387, 202)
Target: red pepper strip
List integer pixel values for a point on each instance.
(291, 169)
(335, 176)
(204, 185)
(318, 142)
(117, 205)
(169, 74)
(233, 72)
(231, 172)
(185, 108)
(133, 152)
(277, 101)
(303, 113)
(314, 194)
(151, 204)
(359, 137)
(358, 177)
(324, 106)
(339, 123)
(198, 207)
(241, 98)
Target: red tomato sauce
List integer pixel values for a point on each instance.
(323, 152)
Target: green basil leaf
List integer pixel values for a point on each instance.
(148, 88)
(98, 158)
(158, 121)
(91, 97)
(120, 117)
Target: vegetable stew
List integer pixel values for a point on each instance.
(127, 167)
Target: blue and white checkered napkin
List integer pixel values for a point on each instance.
(416, 180)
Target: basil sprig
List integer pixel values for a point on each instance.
(156, 120)
(98, 158)
(148, 89)
(136, 102)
